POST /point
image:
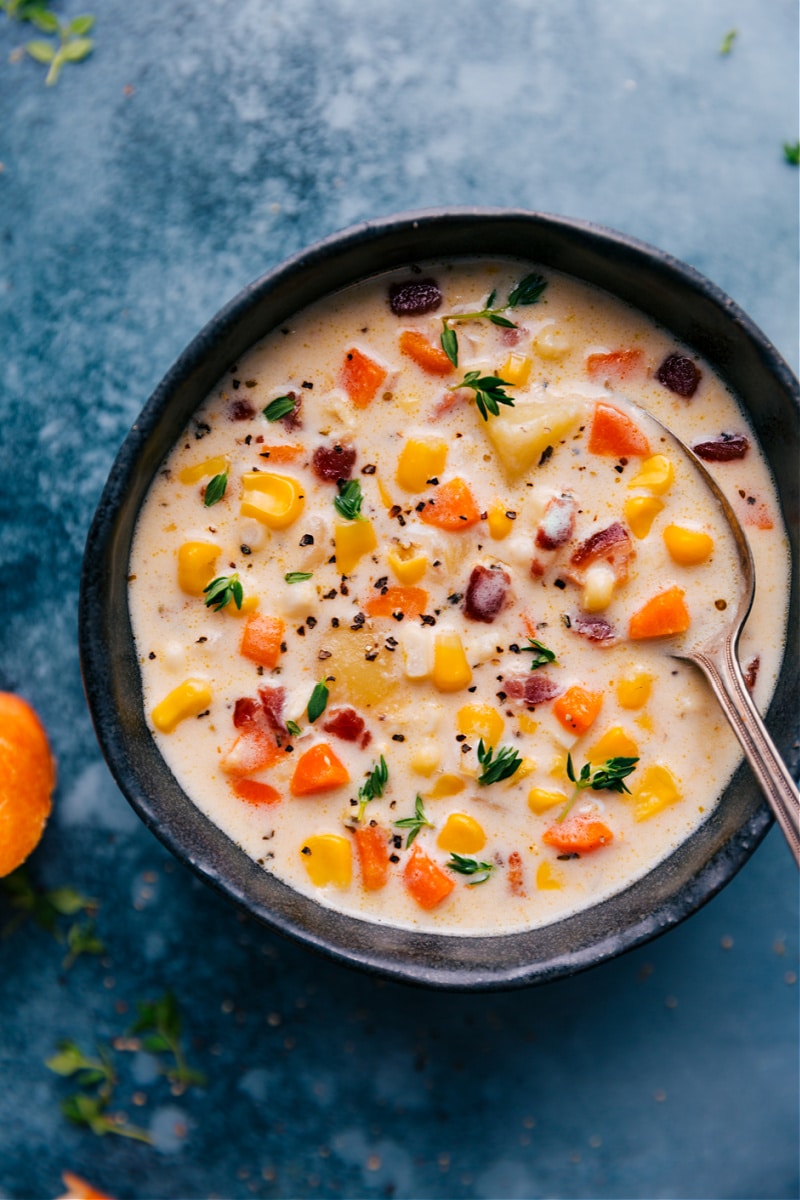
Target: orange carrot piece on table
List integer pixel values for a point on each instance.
(411, 601)
(662, 616)
(618, 364)
(425, 880)
(372, 847)
(578, 834)
(256, 793)
(431, 358)
(261, 639)
(361, 377)
(280, 454)
(614, 433)
(27, 779)
(318, 770)
(452, 508)
(577, 708)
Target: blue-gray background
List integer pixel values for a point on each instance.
(198, 146)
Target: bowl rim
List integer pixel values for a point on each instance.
(100, 657)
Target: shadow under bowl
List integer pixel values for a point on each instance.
(669, 292)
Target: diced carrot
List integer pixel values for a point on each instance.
(252, 751)
(372, 846)
(425, 881)
(431, 358)
(576, 708)
(411, 601)
(516, 880)
(618, 364)
(578, 834)
(280, 454)
(662, 616)
(452, 508)
(256, 793)
(361, 377)
(614, 433)
(261, 639)
(318, 770)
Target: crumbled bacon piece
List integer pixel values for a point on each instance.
(558, 522)
(611, 545)
(595, 629)
(414, 298)
(725, 448)
(272, 702)
(486, 593)
(346, 724)
(532, 689)
(680, 375)
(240, 410)
(263, 715)
(246, 712)
(332, 463)
(516, 881)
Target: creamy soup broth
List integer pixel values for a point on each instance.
(468, 628)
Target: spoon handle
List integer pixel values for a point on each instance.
(721, 668)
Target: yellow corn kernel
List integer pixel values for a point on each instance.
(203, 470)
(527, 723)
(539, 799)
(656, 473)
(500, 525)
(640, 512)
(549, 878)
(188, 699)
(451, 671)
(516, 369)
(481, 721)
(274, 500)
(634, 692)
(655, 791)
(408, 569)
(461, 835)
(598, 588)
(558, 765)
(687, 546)
(645, 722)
(426, 757)
(196, 566)
(446, 785)
(551, 343)
(249, 605)
(328, 858)
(386, 499)
(351, 541)
(419, 462)
(615, 743)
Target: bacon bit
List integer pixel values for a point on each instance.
(448, 400)
(331, 463)
(617, 365)
(246, 712)
(537, 569)
(751, 672)
(595, 629)
(611, 545)
(516, 881)
(510, 337)
(558, 522)
(532, 689)
(725, 448)
(486, 593)
(680, 375)
(345, 723)
(272, 702)
(240, 410)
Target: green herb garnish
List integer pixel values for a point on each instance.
(528, 291)
(791, 153)
(86, 1107)
(470, 866)
(608, 778)
(542, 656)
(82, 939)
(348, 502)
(160, 1021)
(222, 590)
(416, 823)
(373, 788)
(70, 45)
(44, 908)
(728, 40)
(293, 728)
(297, 576)
(488, 389)
(280, 407)
(503, 766)
(318, 702)
(215, 489)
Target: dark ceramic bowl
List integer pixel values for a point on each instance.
(668, 291)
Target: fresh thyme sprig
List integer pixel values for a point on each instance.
(293, 728)
(528, 291)
(87, 1107)
(503, 766)
(215, 489)
(222, 590)
(542, 656)
(160, 1021)
(348, 502)
(374, 786)
(470, 866)
(318, 702)
(81, 939)
(488, 389)
(72, 44)
(44, 908)
(297, 576)
(608, 778)
(281, 406)
(416, 823)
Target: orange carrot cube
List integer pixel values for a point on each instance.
(361, 377)
(577, 708)
(662, 616)
(614, 433)
(318, 770)
(425, 880)
(261, 640)
(452, 507)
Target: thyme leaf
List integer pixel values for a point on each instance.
(527, 291)
(542, 656)
(728, 40)
(293, 728)
(222, 590)
(297, 576)
(348, 502)
(497, 768)
(374, 786)
(215, 489)
(416, 823)
(608, 778)
(161, 1021)
(488, 389)
(281, 406)
(318, 702)
(470, 866)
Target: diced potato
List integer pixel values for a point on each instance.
(275, 500)
(188, 699)
(480, 721)
(417, 646)
(451, 671)
(357, 680)
(634, 692)
(196, 566)
(655, 791)
(551, 343)
(549, 878)
(540, 799)
(640, 512)
(420, 461)
(688, 547)
(352, 540)
(521, 434)
(598, 588)
(615, 743)
(516, 369)
(656, 473)
(328, 858)
(461, 835)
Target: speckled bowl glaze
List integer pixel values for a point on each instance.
(666, 290)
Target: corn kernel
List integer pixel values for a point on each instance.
(419, 462)
(549, 878)
(656, 473)
(446, 785)
(330, 860)
(196, 563)
(539, 799)
(687, 546)
(527, 723)
(351, 541)
(461, 835)
(186, 700)
(203, 470)
(640, 512)
(598, 588)
(516, 369)
(655, 791)
(249, 605)
(481, 721)
(615, 743)
(551, 343)
(500, 525)
(275, 500)
(634, 692)
(451, 671)
(409, 568)
(426, 757)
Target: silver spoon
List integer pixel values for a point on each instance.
(716, 656)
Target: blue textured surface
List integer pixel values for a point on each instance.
(200, 145)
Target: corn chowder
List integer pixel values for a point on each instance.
(405, 592)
